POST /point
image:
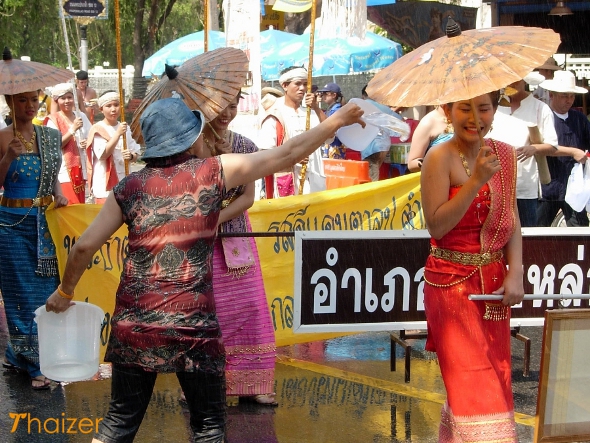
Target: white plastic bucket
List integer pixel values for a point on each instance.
(355, 136)
(69, 342)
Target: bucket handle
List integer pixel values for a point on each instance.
(103, 325)
(32, 349)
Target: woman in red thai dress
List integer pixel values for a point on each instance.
(468, 195)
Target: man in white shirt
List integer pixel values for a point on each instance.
(531, 112)
(284, 120)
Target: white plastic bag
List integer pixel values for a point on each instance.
(577, 193)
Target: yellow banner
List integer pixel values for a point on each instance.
(383, 205)
(99, 283)
(292, 5)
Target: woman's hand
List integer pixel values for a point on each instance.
(486, 165)
(222, 146)
(83, 144)
(56, 303)
(127, 154)
(15, 148)
(78, 123)
(59, 201)
(512, 288)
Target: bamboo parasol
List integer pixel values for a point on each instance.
(463, 65)
(207, 82)
(17, 76)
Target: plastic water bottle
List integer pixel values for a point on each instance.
(384, 121)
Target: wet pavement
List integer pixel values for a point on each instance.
(338, 390)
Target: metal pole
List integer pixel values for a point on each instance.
(532, 297)
(83, 48)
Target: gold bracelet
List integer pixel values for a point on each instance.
(63, 294)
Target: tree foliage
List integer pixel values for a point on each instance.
(145, 26)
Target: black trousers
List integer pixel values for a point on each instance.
(131, 390)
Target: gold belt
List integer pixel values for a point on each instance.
(467, 258)
(26, 202)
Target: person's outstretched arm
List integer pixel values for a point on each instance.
(106, 223)
(240, 169)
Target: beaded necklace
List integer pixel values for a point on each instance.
(211, 147)
(28, 145)
(48, 169)
(464, 161)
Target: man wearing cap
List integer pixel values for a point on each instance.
(573, 134)
(331, 95)
(106, 156)
(284, 120)
(526, 110)
(89, 95)
(547, 70)
(380, 146)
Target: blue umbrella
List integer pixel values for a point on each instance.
(273, 39)
(180, 50)
(333, 56)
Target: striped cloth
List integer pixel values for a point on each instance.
(23, 290)
(246, 326)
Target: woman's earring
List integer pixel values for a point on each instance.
(449, 129)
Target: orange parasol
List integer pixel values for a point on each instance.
(463, 65)
(207, 82)
(17, 76)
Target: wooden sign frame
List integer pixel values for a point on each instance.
(563, 403)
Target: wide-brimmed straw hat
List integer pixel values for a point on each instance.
(563, 81)
(271, 90)
(169, 127)
(533, 79)
(550, 64)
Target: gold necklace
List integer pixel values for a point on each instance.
(28, 145)
(464, 161)
(211, 147)
(216, 136)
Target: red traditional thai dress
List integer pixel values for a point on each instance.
(472, 338)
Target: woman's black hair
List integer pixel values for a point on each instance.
(494, 95)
